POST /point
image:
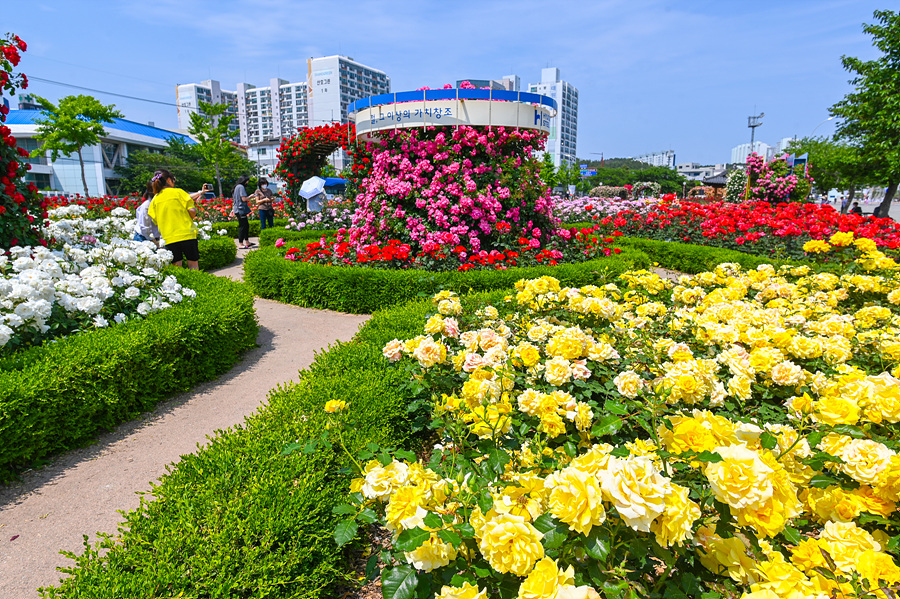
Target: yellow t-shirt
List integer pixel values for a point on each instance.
(169, 210)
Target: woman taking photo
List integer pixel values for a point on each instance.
(173, 211)
(241, 209)
(264, 198)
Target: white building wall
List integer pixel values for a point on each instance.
(563, 137)
(739, 153)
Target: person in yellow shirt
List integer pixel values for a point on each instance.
(173, 211)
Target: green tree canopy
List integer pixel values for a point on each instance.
(210, 127)
(870, 114)
(75, 123)
(834, 164)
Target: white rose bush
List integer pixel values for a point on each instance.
(734, 434)
(92, 275)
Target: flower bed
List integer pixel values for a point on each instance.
(582, 209)
(363, 290)
(59, 395)
(735, 433)
(237, 519)
(213, 210)
(778, 230)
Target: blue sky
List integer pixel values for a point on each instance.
(652, 74)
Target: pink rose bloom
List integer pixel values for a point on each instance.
(451, 328)
(279, 242)
(473, 362)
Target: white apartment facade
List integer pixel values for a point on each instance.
(563, 137)
(665, 158)
(693, 171)
(265, 115)
(739, 153)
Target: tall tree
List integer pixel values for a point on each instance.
(548, 171)
(870, 114)
(211, 130)
(75, 123)
(834, 164)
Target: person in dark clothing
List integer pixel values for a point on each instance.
(855, 209)
(240, 208)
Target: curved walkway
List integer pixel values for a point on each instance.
(83, 491)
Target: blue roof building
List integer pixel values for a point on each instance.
(64, 174)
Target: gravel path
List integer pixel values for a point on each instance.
(83, 491)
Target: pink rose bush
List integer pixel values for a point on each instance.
(450, 187)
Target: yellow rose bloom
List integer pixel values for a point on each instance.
(729, 557)
(510, 544)
(557, 371)
(335, 405)
(741, 479)
(816, 246)
(429, 352)
(807, 555)
(878, 568)
(636, 488)
(545, 579)
(844, 542)
(841, 238)
(404, 504)
(629, 383)
(466, 591)
(865, 245)
(432, 554)
(576, 499)
(675, 524)
(833, 409)
(687, 434)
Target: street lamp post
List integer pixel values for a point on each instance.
(819, 125)
(753, 122)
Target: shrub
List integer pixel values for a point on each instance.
(59, 395)
(217, 252)
(236, 518)
(361, 290)
(270, 236)
(232, 226)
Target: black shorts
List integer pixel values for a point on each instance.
(187, 249)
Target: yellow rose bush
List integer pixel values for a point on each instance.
(730, 434)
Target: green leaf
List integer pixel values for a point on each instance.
(570, 449)
(385, 458)
(607, 425)
(849, 430)
(405, 455)
(344, 508)
(290, 448)
(411, 539)
(597, 544)
(709, 456)
(372, 570)
(768, 440)
(310, 447)
(815, 438)
(485, 501)
(614, 590)
(433, 520)
(368, 516)
(344, 532)
(792, 535)
(466, 531)
(448, 536)
(821, 481)
(497, 460)
(555, 533)
(615, 407)
(399, 582)
(620, 452)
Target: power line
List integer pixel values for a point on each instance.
(100, 91)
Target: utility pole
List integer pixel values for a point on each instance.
(753, 122)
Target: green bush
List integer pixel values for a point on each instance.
(361, 290)
(232, 226)
(217, 252)
(59, 395)
(693, 259)
(269, 236)
(236, 518)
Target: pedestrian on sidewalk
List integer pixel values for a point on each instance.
(173, 211)
(264, 198)
(240, 208)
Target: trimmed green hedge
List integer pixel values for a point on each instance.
(236, 518)
(60, 395)
(217, 252)
(361, 290)
(232, 226)
(269, 236)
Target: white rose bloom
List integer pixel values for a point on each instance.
(25, 310)
(14, 320)
(89, 305)
(143, 308)
(120, 212)
(5, 334)
(120, 318)
(100, 322)
(189, 293)
(132, 292)
(118, 282)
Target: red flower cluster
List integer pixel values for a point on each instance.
(757, 227)
(19, 201)
(305, 154)
(579, 245)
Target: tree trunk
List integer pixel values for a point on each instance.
(83, 176)
(219, 180)
(884, 209)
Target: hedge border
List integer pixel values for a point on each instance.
(270, 236)
(361, 290)
(217, 252)
(231, 226)
(238, 519)
(60, 395)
